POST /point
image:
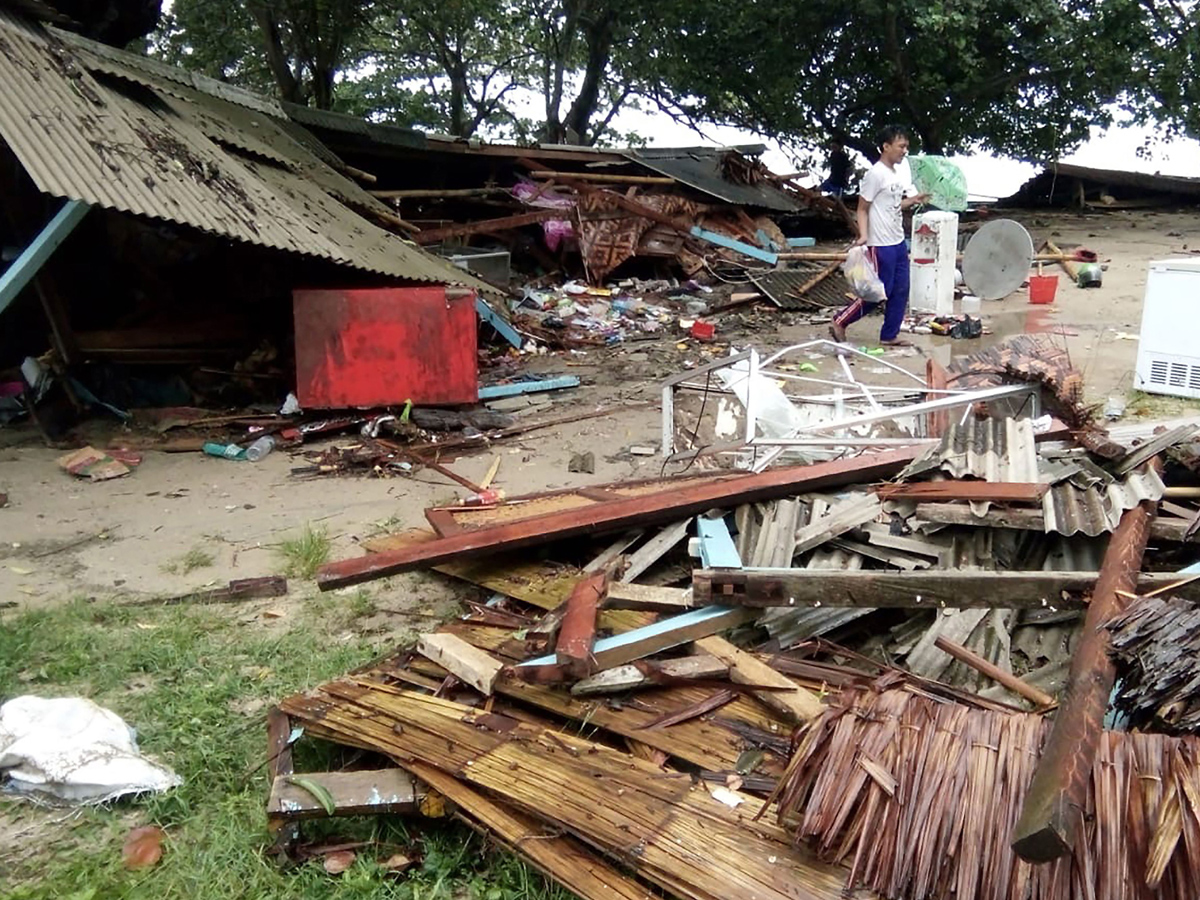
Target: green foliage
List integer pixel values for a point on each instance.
(1021, 77)
(305, 554)
(194, 682)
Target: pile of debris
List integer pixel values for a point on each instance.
(591, 715)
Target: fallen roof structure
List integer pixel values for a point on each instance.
(110, 129)
(1063, 184)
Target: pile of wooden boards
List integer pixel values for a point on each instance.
(617, 718)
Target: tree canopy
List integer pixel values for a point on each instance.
(1025, 78)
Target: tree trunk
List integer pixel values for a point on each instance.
(599, 37)
(289, 87)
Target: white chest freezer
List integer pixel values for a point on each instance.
(1168, 360)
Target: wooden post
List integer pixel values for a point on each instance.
(1053, 811)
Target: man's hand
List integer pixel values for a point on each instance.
(909, 202)
(859, 241)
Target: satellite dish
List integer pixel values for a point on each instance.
(997, 259)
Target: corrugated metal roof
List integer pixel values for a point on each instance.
(121, 144)
(1096, 510)
(701, 169)
(121, 62)
(994, 449)
(1083, 498)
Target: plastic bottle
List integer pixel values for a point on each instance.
(260, 448)
(225, 451)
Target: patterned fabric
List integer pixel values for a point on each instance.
(609, 235)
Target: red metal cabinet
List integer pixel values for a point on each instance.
(374, 347)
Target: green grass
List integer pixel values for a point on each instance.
(183, 677)
(196, 558)
(305, 554)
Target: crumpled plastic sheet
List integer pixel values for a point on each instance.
(69, 750)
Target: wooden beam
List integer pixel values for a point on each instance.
(648, 597)
(577, 634)
(648, 674)
(435, 193)
(32, 258)
(654, 549)
(1053, 811)
(368, 793)
(922, 589)
(615, 515)
(797, 704)
(279, 765)
(488, 226)
(466, 663)
(605, 179)
(973, 491)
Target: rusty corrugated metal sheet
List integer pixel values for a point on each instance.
(120, 144)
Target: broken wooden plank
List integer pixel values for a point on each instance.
(693, 710)
(796, 704)
(974, 491)
(466, 663)
(238, 589)
(924, 589)
(847, 515)
(662, 635)
(644, 672)
(1052, 813)
(367, 793)
(970, 658)
(577, 634)
(654, 549)
(612, 515)
(487, 226)
(649, 597)
(279, 765)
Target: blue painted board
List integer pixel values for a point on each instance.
(25, 266)
(745, 249)
(494, 391)
(802, 242)
(717, 550)
(498, 322)
(683, 620)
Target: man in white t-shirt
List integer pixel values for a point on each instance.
(886, 191)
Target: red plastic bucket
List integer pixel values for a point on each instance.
(1042, 288)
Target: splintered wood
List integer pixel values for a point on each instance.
(960, 775)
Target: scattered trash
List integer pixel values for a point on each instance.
(70, 750)
(582, 462)
(97, 465)
(224, 451)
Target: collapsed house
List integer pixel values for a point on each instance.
(1065, 185)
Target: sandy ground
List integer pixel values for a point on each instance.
(62, 538)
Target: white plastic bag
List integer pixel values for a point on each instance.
(859, 269)
(69, 749)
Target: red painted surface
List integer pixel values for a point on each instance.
(383, 346)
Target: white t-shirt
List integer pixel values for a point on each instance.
(884, 188)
